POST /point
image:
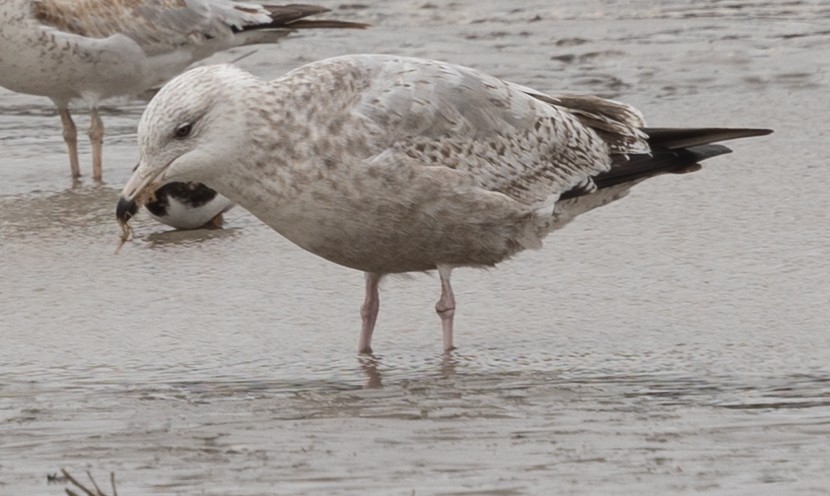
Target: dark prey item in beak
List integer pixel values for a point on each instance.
(125, 210)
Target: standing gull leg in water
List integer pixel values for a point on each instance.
(446, 306)
(390, 164)
(371, 304)
(70, 136)
(96, 139)
(369, 312)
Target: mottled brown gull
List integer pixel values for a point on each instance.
(389, 164)
(92, 50)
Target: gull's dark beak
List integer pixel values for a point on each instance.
(125, 210)
(135, 193)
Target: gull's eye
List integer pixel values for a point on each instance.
(183, 131)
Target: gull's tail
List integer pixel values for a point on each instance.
(673, 151)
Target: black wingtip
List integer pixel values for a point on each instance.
(674, 138)
(702, 152)
(659, 161)
(326, 24)
(293, 16)
(673, 151)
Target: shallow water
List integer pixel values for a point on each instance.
(674, 342)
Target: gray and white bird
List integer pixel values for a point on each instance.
(389, 164)
(93, 50)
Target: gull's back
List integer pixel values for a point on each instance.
(392, 164)
(98, 49)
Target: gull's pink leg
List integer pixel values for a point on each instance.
(446, 306)
(369, 312)
(96, 138)
(70, 136)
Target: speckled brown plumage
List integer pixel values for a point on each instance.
(390, 164)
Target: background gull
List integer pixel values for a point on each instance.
(96, 49)
(389, 164)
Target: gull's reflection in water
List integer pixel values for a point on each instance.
(449, 363)
(372, 365)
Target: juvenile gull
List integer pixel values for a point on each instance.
(92, 50)
(388, 164)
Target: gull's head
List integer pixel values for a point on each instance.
(190, 130)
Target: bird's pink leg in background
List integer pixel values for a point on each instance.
(369, 312)
(96, 138)
(446, 306)
(70, 136)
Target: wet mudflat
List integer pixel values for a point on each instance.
(674, 342)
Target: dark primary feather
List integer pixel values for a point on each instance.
(673, 151)
(292, 16)
(674, 138)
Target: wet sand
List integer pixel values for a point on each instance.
(675, 342)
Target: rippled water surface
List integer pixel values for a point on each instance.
(674, 342)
